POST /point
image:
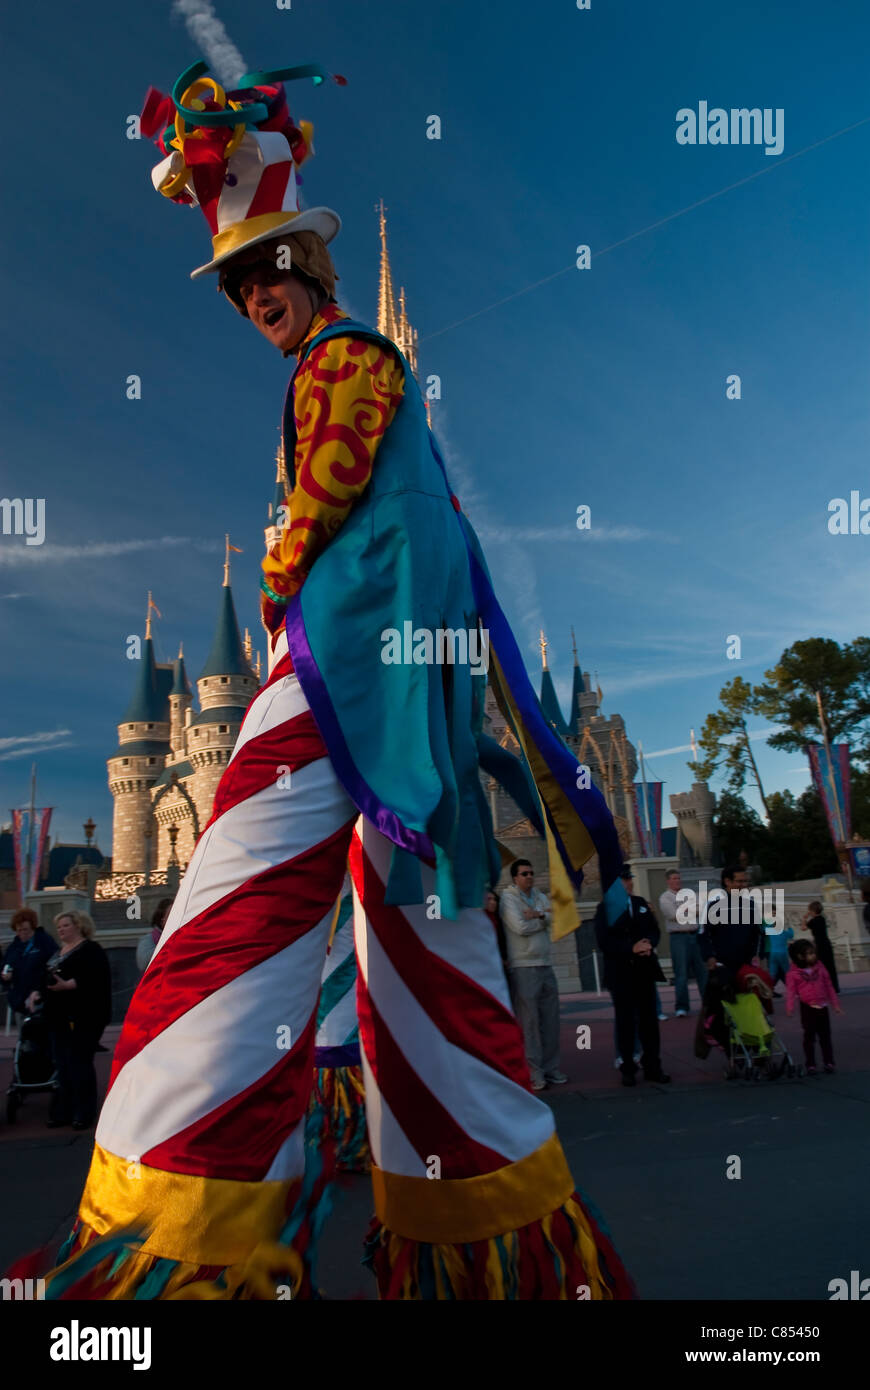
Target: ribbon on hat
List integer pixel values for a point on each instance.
(201, 124)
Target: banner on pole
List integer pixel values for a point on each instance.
(33, 836)
(648, 808)
(831, 781)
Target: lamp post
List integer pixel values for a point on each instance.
(89, 829)
(173, 840)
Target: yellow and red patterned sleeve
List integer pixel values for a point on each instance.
(345, 396)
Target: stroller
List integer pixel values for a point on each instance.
(754, 1047)
(32, 1065)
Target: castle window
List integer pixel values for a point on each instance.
(151, 762)
(196, 733)
(129, 726)
(225, 680)
(125, 762)
(150, 726)
(223, 728)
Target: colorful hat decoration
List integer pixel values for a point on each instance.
(235, 156)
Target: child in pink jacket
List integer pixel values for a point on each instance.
(809, 982)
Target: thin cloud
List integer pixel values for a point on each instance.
(24, 745)
(40, 738)
(644, 680)
(687, 747)
(94, 550)
(509, 534)
(7, 596)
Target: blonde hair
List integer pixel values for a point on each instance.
(81, 920)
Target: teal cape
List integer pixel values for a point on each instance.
(405, 735)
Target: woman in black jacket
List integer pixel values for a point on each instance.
(77, 999)
(24, 961)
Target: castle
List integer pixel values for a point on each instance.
(170, 756)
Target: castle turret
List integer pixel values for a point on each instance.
(143, 746)
(180, 701)
(226, 686)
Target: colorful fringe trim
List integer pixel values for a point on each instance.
(566, 1255)
(114, 1267)
(337, 1109)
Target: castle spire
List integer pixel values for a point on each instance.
(386, 301)
(227, 559)
(278, 506)
(227, 655)
(151, 604)
(548, 698)
(575, 714)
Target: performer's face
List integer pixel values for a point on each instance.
(278, 305)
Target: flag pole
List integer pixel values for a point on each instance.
(29, 858)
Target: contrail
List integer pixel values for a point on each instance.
(94, 550)
(209, 33)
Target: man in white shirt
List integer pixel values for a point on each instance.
(525, 912)
(683, 941)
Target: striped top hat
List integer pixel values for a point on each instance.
(235, 155)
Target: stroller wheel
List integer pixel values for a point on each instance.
(13, 1105)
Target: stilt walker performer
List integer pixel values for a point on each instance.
(196, 1183)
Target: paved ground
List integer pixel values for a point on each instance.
(653, 1159)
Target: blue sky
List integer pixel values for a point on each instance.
(604, 387)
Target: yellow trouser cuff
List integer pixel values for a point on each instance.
(208, 1221)
(453, 1211)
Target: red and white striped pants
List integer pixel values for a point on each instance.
(213, 1069)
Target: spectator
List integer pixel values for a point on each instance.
(809, 982)
(493, 912)
(683, 941)
(630, 973)
(526, 916)
(24, 961)
(77, 999)
(814, 921)
(148, 943)
(731, 934)
(778, 962)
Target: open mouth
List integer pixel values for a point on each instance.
(273, 316)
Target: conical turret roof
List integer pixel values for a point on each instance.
(150, 692)
(549, 702)
(577, 689)
(227, 656)
(180, 683)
